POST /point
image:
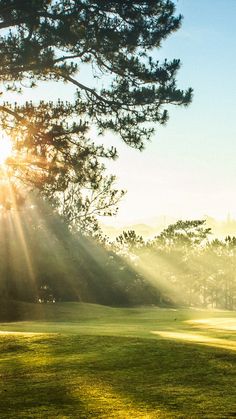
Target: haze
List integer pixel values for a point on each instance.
(188, 170)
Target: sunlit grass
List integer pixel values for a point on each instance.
(89, 361)
(199, 339)
(228, 323)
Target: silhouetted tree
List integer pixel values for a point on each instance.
(49, 41)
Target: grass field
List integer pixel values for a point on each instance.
(77, 360)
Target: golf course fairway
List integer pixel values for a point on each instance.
(77, 360)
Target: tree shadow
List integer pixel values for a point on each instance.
(146, 376)
(106, 376)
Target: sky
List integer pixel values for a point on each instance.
(189, 168)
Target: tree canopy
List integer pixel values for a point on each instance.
(50, 41)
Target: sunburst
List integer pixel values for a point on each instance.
(5, 148)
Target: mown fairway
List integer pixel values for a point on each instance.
(87, 361)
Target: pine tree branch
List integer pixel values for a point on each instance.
(85, 88)
(13, 113)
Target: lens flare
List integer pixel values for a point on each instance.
(5, 148)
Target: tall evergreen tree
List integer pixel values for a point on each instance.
(50, 41)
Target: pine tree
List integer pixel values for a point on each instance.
(45, 41)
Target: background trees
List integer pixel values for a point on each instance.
(41, 260)
(184, 265)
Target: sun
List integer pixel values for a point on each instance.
(5, 148)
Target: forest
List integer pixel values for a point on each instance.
(43, 261)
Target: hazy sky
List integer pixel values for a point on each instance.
(189, 169)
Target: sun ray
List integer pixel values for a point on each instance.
(5, 148)
(20, 233)
(49, 234)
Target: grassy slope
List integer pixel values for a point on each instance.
(91, 361)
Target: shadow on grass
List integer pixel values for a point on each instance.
(30, 386)
(174, 379)
(104, 377)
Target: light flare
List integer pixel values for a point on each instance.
(5, 148)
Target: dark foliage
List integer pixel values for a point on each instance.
(42, 261)
(50, 41)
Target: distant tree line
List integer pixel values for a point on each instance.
(185, 265)
(42, 260)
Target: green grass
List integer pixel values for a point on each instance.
(88, 361)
